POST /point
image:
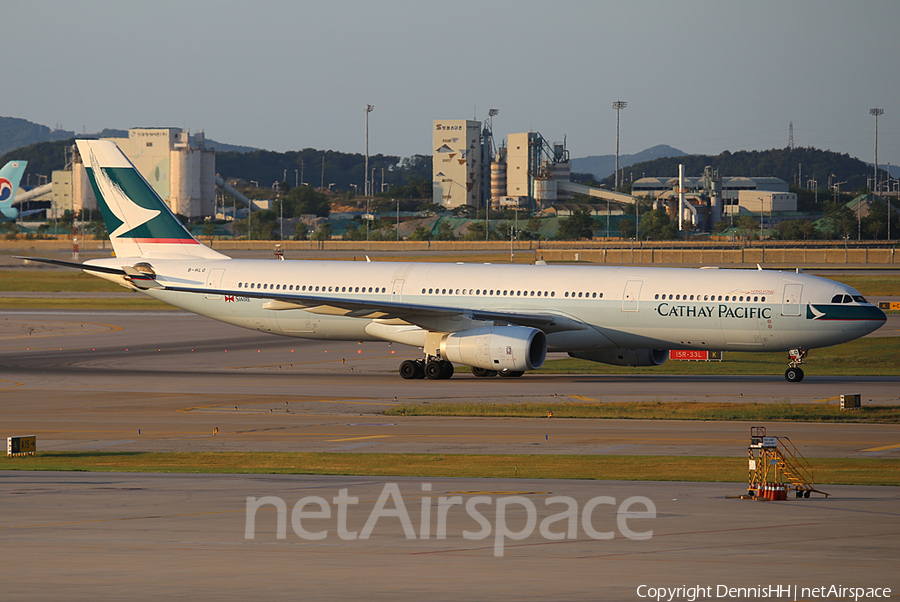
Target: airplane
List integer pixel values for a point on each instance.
(501, 320)
(10, 176)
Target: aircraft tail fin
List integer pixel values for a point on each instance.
(139, 223)
(10, 175)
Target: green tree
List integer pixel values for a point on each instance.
(300, 231)
(841, 220)
(658, 226)
(421, 233)
(305, 200)
(748, 225)
(464, 211)
(577, 226)
(626, 228)
(795, 229)
(209, 229)
(475, 231)
(445, 231)
(323, 232)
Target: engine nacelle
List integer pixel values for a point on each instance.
(513, 348)
(625, 357)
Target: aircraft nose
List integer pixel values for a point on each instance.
(875, 319)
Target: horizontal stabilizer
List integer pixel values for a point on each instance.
(78, 266)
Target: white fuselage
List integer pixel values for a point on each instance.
(619, 307)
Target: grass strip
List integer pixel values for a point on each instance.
(780, 411)
(54, 281)
(836, 471)
(138, 303)
(871, 356)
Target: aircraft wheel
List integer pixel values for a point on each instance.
(420, 369)
(479, 372)
(434, 370)
(793, 375)
(446, 369)
(409, 370)
(510, 373)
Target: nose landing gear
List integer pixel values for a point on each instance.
(794, 374)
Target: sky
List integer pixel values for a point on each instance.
(702, 76)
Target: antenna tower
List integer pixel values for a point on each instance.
(791, 136)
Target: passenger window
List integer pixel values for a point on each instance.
(552, 293)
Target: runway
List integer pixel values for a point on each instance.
(92, 380)
(140, 381)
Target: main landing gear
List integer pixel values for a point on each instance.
(794, 374)
(432, 369)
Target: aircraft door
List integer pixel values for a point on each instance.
(214, 280)
(790, 304)
(632, 295)
(397, 290)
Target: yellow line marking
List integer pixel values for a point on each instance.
(884, 448)
(827, 399)
(12, 382)
(360, 438)
(583, 398)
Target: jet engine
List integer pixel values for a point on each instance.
(513, 348)
(624, 357)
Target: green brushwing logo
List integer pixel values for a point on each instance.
(131, 209)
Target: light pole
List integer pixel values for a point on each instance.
(876, 112)
(369, 109)
(618, 106)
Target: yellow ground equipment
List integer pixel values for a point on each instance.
(777, 466)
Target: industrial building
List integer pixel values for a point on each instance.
(177, 165)
(526, 172)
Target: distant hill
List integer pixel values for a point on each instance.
(17, 133)
(605, 165)
(778, 162)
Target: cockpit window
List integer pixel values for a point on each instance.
(837, 298)
(859, 299)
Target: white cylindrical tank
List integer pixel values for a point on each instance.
(185, 165)
(83, 198)
(207, 182)
(498, 179)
